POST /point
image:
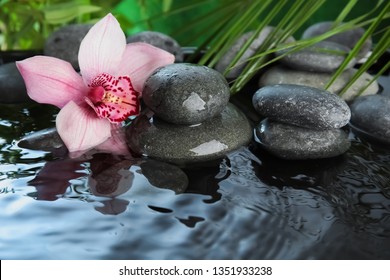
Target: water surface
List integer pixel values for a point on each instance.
(248, 205)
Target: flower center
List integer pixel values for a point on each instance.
(113, 98)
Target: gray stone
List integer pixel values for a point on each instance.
(284, 75)
(159, 40)
(45, 140)
(297, 143)
(322, 57)
(347, 38)
(302, 106)
(371, 115)
(186, 144)
(64, 43)
(12, 88)
(186, 93)
(237, 46)
(164, 175)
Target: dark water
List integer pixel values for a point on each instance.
(248, 205)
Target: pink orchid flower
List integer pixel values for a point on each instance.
(94, 105)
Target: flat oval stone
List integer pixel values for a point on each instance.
(322, 57)
(45, 140)
(302, 106)
(347, 38)
(371, 115)
(186, 144)
(228, 57)
(64, 43)
(185, 93)
(284, 75)
(159, 40)
(12, 88)
(296, 143)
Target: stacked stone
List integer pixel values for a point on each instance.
(301, 122)
(159, 40)
(237, 46)
(314, 66)
(191, 119)
(371, 117)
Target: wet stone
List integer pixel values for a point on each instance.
(164, 175)
(322, 57)
(228, 57)
(284, 75)
(12, 88)
(296, 143)
(45, 140)
(371, 116)
(186, 144)
(302, 106)
(185, 93)
(159, 40)
(64, 43)
(347, 38)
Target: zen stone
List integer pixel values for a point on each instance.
(284, 75)
(302, 106)
(45, 140)
(64, 43)
(184, 93)
(321, 57)
(12, 88)
(159, 40)
(186, 144)
(371, 115)
(296, 143)
(228, 57)
(347, 38)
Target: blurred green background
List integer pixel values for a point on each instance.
(25, 24)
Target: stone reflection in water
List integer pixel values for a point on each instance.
(299, 173)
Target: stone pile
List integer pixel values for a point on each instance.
(301, 122)
(191, 119)
(314, 66)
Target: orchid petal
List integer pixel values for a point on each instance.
(116, 144)
(140, 60)
(80, 128)
(51, 80)
(101, 49)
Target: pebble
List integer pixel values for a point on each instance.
(45, 140)
(64, 43)
(302, 106)
(187, 144)
(320, 57)
(12, 88)
(296, 143)
(283, 75)
(228, 57)
(371, 116)
(159, 40)
(347, 38)
(185, 93)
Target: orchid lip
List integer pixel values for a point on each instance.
(113, 98)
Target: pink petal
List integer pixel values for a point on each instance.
(101, 49)
(51, 80)
(116, 144)
(80, 128)
(140, 60)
